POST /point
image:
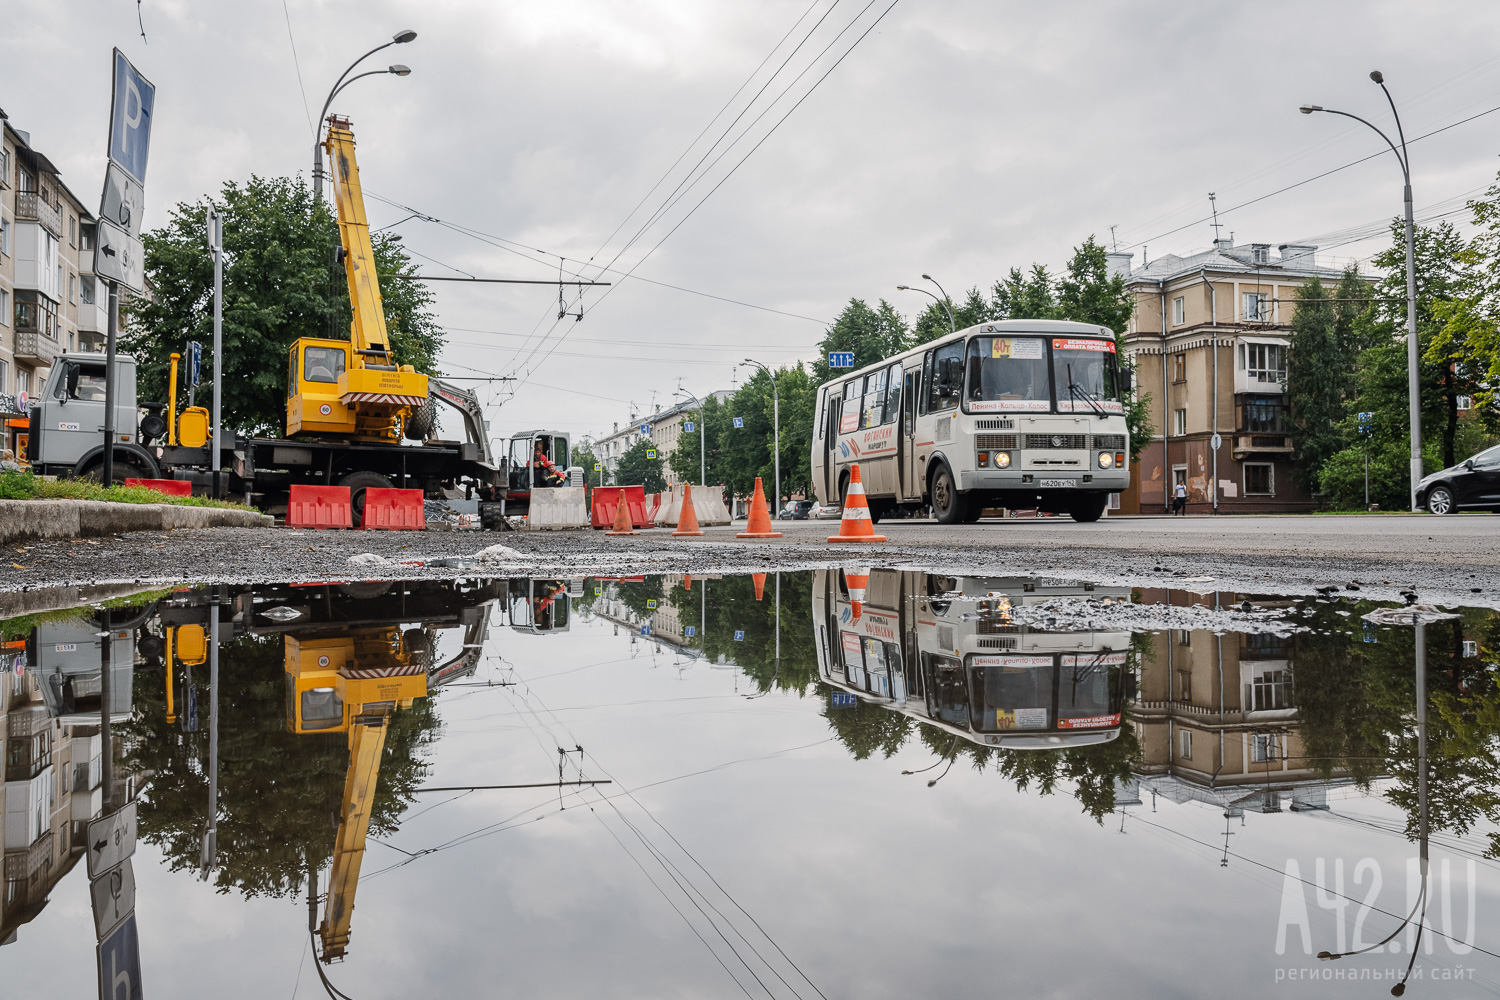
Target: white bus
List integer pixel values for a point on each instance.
(946, 651)
(1020, 413)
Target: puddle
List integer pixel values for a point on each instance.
(800, 784)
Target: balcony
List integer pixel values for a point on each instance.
(36, 349)
(1262, 444)
(31, 207)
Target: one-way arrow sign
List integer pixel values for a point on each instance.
(111, 840)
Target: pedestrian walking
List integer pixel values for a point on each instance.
(1179, 499)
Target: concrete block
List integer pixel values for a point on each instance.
(558, 507)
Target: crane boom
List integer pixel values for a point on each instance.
(367, 332)
(366, 742)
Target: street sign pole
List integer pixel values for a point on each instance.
(216, 242)
(107, 478)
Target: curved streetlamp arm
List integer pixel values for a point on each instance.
(1405, 159)
(361, 76)
(1399, 158)
(952, 324)
(339, 83)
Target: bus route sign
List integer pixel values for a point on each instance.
(840, 359)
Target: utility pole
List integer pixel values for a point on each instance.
(107, 478)
(775, 435)
(216, 245)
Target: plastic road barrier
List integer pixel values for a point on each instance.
(607, 498)
(171, 487)
(319, 507)
(558, 507)
(394, 510)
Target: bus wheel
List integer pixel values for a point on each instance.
(1090, 508)
(975, 511)
(948, 505)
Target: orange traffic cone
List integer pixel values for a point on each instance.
(857, 581)
(855, 526)
(622, 519)
(760, 517)
(687, 521)
(687, 581)
(760, 585)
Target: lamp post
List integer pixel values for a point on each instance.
(702, 460)
(775, 432)
(952, 326)
(399, 38)
(1414, 403)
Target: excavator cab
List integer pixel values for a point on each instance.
(539, 606)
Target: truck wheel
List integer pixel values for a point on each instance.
(122, 471)
(490, 516)
(1090, 508)
(948, 505)
(358, 482)
(423, 419)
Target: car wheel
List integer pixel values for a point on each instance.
(1440, 500)
(948, 505)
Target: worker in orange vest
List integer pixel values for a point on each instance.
(543, 469)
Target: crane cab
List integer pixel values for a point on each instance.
(331, 391)
(330, 681)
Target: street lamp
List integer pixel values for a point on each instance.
(1414, 402)
(776, 433)
(399, 38)
(702, 461)
(952, 326)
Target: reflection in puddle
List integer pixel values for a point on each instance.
(269, 738)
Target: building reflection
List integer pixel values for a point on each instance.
(59, 677)
(1217, 716)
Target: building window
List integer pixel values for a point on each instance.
(4, 309)
(36, 313)
(1179, 368)
(1185, 744)
(1263, 362)
(1464, 402)
(73, 288)
(85, 237)
(23, 381)
(1263, 415)
(1184, 637)
(1265, 747)
(86, 289)
(1271, 690)
(4, 378)
(72, 230)
(1260, 479)
(1255, 307)
(1184, 685)
(1179, 310)
(5, 236)
(4, 168)
(1179, 422)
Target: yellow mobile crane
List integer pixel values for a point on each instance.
(352, 388)
(352, 682)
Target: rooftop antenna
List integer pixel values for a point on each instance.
(1213, 204)
(1114, 244)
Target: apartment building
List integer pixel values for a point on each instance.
(663, 428)
(50, 301)
(1209, 338)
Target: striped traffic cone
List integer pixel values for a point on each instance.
(855, 526)
(687, 520)
(857, 581)
(759, 525)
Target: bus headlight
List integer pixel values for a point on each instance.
(1106, 460)
(1002, 459)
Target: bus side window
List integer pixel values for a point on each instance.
(893, 394)
(874, 401)
(822, 411)
(946, 378)
(925, 388)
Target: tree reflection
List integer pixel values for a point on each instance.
(279, 793)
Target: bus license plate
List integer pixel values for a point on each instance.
(1058, 484)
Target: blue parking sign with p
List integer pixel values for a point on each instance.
(130, 118)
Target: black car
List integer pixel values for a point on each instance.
(1473, 484)
(796, 510)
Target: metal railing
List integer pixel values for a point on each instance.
(30, 205)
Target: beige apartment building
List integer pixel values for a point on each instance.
(1209, 339)
(663, 428)
(50, 301)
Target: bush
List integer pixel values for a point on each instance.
(1343, 475)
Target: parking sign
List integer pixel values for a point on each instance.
(739, 421)
(131, 111)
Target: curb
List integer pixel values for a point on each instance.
(44, 519)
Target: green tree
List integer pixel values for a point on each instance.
(280, 283)
(799, 401)
(872, 334)
(1318, 383)
(709, 425)
(745, 451)
(637, 468)
(1025, 295)
(934, 322)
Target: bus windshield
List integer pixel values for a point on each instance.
(1011, 692)
(1085, 372)
(1084, 696)
(1008, 374)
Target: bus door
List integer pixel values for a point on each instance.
(906, 453)
(835, 412)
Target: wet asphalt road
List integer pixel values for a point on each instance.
(1453, 560)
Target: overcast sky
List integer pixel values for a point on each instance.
(958, 138)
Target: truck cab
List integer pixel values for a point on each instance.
(66, 433)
